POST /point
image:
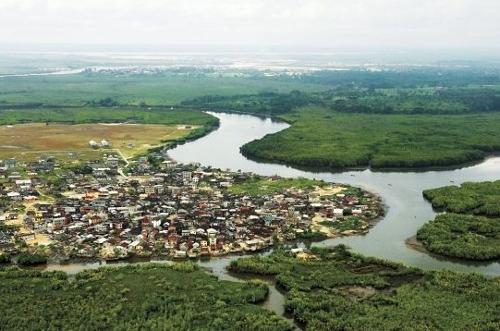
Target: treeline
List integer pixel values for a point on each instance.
(333, 289)
(408, 78)
(463, 236)
(320, 138)
(146, 297)
(269, 103)
(105, 102)
(414, 101)
(30, 259)
(106, 115)
(354, 100)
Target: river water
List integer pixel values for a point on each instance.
(401, 191)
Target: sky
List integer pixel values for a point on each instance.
(301, 24)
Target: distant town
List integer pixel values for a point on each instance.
(152, 206)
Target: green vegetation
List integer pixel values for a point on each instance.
(267, 103)
(106, 115)
(382, 128)
(29, 259)
(371, 101)
(4, 258)
(462, 236)
(320, 137)
(258, 186)
(167, 88)
(8, 228)
(146, 297)
(355, 118)
(477, 198)
(339, 290)
(312, 236)
(414, 100)
(348, 223)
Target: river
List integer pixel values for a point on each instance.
(400, 191)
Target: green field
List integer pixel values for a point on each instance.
(259, 187)
(149, 297)
(339, 290)
(416, 100)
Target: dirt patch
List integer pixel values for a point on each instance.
(358, 292)
(328, 190)
(416, 245)
(27, 142)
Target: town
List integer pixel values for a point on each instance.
(111, 209)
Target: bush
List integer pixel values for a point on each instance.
(27, 259)
(4, 258)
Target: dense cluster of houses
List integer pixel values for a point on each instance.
(161, 208)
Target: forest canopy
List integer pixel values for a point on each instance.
(334, 289)
(481, 198)
(461, 232)
(145, 297)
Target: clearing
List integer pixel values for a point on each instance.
(27, 142)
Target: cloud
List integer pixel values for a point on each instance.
(325, 23)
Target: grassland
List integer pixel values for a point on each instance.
(333, 289)
(29, 133)
(320, 137)
(259, 186)
(27, 142)
(148, 297)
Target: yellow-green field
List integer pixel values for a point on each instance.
(27, 142)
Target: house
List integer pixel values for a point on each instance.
(105, 143)
(112, 162)
(93, 144)
(16, 196)
(10, 163)
(338, 212)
